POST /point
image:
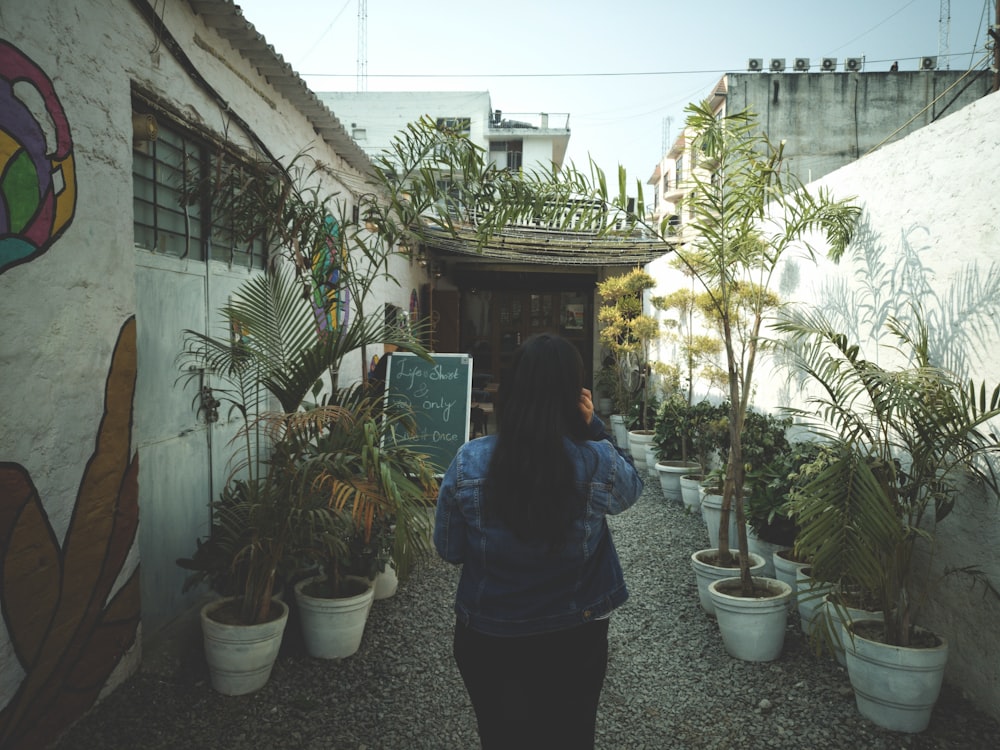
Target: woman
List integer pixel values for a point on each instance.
(524, 513)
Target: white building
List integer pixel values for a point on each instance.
(513, 140)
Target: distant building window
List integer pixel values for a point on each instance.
(457, 125)
(666, 182)
(164, 171)
(679, 171)
(507, 154)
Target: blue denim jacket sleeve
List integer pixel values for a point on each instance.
(626, 481)
(449, 525)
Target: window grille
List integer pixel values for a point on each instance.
(164, 173)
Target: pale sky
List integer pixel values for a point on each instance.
(623, 71)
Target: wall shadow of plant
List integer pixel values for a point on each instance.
(960, 312)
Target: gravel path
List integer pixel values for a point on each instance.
(670, 682)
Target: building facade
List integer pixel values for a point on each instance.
(826, 119)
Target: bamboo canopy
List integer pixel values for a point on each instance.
(522, 244)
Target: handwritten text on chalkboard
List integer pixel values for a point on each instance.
(438, 393)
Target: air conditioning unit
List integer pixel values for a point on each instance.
(928, 63)
(829, 64)
(755, 64)
(801, 64)
(852, 64)
(777, 64)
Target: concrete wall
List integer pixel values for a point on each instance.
(830, 119)
(79, 337)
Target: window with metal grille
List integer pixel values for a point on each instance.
(167, 219)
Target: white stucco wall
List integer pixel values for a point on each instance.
(932, 199)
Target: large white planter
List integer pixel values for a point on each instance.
(753, 629)
(386, 582)
(240, 657)
(786, 569)
(670, 473)
(618, 431)
(711, 511)
(651, 461)
(810, 594)
(637, 442)
(332, 628)
(764, 549)
(895, 687)
(705, 573)
(834, 618)
(691, 491)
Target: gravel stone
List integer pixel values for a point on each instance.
(670, 682)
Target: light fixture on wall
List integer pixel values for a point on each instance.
(144, 130)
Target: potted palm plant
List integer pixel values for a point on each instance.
(384, 491)
(905, 439)
(284, 343)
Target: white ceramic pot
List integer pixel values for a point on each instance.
(386, 582)
(895, 687)
(785, 569)
(810, 594)
(240, 657)
(764, 549)
(618, 431)
(833, 618)
(705, 573)
(670, 473)
(711, 511)
(332, 628)
(637, 442)
(691, 491)
(753, 629)
(651, 461)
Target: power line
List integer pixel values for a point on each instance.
(648, 73)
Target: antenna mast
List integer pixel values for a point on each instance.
(362, 82)
(665, 143)
(944, 32)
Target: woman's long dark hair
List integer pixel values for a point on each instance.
(531, 486)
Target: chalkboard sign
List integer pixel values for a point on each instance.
(439, 394)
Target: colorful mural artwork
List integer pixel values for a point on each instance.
(325, 277)
(67, 625)
(37, 179)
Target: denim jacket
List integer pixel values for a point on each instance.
(511, 588)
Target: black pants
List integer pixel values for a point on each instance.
(538, 691)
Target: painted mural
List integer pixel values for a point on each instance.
(37, 169)
(68, 625)
(326, 279)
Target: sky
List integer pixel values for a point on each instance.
(622, 71)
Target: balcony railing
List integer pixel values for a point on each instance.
(529, 120)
